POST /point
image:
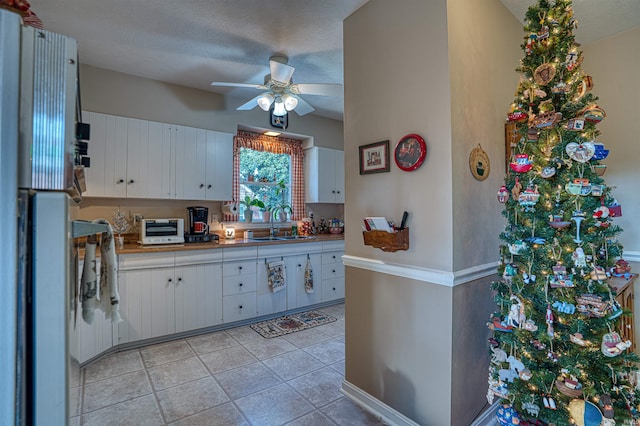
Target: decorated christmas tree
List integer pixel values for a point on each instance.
(557, 356)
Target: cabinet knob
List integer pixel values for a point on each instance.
(240, 268)
(334, 289)
(338, 192)
(120, 181)
(209, 186)
(299, 265)
(202, 185)
(180, 279)
(170, 280)
(240, 285)
(334, 271)
(333, 192)
(333, 256)
(240, 307)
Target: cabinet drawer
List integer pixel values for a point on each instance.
(332, 270)
(238, 284)
(332, 289)
(332, 257)
(244, 267)
(238, 307)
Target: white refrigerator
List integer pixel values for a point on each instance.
(38, 287)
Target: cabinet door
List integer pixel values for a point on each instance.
(339, 175)
(219, 171)
(269, 302)
(191, 159)
(137, 158)
(147, 304)
(160, 161)
(324, 175)
(94, 338)
(108, 151)
(295, 272)
(198, 296)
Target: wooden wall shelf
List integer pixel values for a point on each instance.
(387, 241)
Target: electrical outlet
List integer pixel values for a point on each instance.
(137, 218)
(214, 217)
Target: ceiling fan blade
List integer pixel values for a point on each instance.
(303, 107)
(281, 72)
(248, 85)
(249, 104)
(321, 89)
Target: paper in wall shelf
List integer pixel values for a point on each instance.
(378, 224)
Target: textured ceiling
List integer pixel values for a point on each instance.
(195, 42)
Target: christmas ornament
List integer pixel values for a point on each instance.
(529, 197)
(499, 356)
(522, 164)
(557, 222)
(507, 416)
(578, 216)
(547, 172)
(549, 320)
(578, 339)
(498, 325)
(532, 134)
(517, 115)
(585, 413)
(544, 74)
(560, 88)
(578, 187)
(579, 258)
(597, 190)
(607, 406)
(531, 408)
(598, 274)
(600, 153)
(569, 386)
(615, 209)
(591, 305)
(601, 212)
(599, 169)
(571, 60)
(516, 315)
(564, 307)
(575, 124)
(621, 269)
(612, 344)
(594, 114)
(580, 152)
(503, 194)
(546, 119)
(560, 278)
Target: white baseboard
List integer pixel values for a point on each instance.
(488, 416)
(631, 256)
(375, 406)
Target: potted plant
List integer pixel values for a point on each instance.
(280, 209)
(248, 203)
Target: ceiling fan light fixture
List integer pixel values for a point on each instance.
(278, 107)
(290, 102)
(265, 100)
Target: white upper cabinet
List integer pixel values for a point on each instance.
(145, 159)
(204, 164)
(324, 175)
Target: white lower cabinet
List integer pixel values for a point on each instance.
(198, 301)
(239, 284)
(90, 340)
(332, 276)
(296, 266)
(268, 301)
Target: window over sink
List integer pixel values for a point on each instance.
(270, 170)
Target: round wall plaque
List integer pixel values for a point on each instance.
(479, 163)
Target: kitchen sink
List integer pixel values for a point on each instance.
(281, 238)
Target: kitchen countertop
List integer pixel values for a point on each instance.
(130, 248)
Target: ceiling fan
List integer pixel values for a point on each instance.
(280, 90)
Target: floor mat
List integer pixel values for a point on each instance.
(291, 323)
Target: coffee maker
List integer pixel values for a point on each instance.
(198, 226)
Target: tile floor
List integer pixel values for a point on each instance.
(230, 377)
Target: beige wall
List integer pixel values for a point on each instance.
(115, 93)
(613, 63)
(398, 342)
(397, 82)
(444, 69)
(484, 51)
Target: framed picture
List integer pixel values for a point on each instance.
(374, 158)
(410, 152)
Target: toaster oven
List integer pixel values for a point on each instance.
(162, 231)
